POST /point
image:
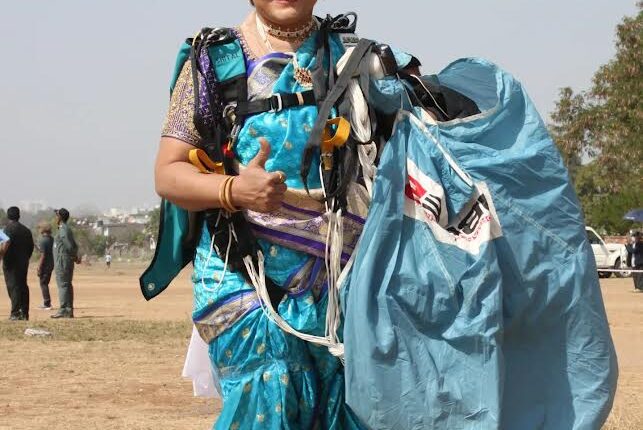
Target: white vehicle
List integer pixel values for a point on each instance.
(607, 255)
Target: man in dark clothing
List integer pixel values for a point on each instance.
(66, 256)
(16, 264)
(46, 264)
(635, 259)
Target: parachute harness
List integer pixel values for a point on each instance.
(342, 143)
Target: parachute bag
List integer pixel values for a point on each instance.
(477, 303)
(431, 317)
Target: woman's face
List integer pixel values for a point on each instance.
(285, 12)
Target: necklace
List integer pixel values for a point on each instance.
(302, 75)
(297, 34)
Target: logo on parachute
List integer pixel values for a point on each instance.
(477, 222)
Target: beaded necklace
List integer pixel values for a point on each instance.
(298, 34)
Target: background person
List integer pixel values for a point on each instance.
(635, 258)
(45, 264)
(66, 255)
(4, 243)
(16, 264)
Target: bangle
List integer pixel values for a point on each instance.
(222, 202)
(229, 195)
(225, 195)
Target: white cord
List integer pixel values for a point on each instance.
(332, 261)
(334, 247)
(417, 78)
(361, 121)
(257, 277)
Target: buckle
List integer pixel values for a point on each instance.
(234, 134)
(217, 36)
(229, 112)
(344, 23)
(276, 103)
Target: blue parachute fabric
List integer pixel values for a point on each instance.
(474, 300)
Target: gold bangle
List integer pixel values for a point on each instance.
(229, 207)
(222, 201)
(225, 196)
(228, 195)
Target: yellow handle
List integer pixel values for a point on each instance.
(201, 161)
(337, 140)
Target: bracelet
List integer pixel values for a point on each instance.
(228, 195)
(222, 194)
(225, 195)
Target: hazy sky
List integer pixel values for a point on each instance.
(83, 84)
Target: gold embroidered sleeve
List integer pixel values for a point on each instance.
(179, 122)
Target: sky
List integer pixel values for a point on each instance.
(83, 84)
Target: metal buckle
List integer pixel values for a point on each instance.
(276, 98)
(234, 134)
(217, 36)
(345, 23)
(229, 112)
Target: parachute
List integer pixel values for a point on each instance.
(474, 300)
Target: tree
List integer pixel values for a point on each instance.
(3, 217)
(136, 238)
(599, 133)
(153, 223)
(569, 129)
(90, 242)
(615, 114)
(604, 210)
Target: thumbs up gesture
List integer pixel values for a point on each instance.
(256, 189)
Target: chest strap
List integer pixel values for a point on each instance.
(275, 103)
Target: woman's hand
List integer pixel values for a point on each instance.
(178, 181)
(256, 189)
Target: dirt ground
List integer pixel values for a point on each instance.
(118, 364)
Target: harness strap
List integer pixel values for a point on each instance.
(230, 86)
(314, 141)
(276, 103)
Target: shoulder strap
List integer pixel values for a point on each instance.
(227, 59)
(179, 229)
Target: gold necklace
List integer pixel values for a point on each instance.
(298, 34)
(303, 76)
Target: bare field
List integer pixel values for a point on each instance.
(118, 364)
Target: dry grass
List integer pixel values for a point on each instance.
(106, 384)
(90, 330)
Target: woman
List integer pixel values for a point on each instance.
(269, 379)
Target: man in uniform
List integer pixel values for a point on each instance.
(16, 264)
(46, 264)
(66, 255)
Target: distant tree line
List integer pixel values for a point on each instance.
(598, 132)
